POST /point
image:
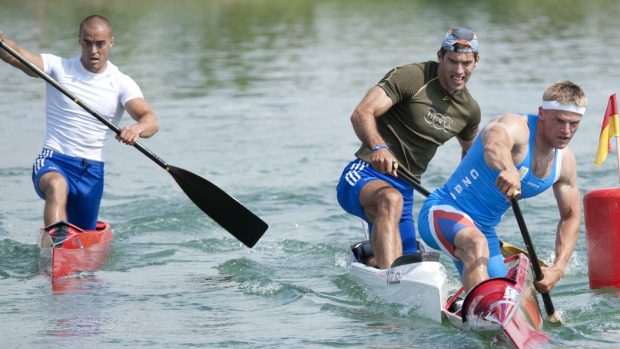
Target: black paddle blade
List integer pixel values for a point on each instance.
(221, 207)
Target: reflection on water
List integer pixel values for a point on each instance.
(77, 283)
(256, 97)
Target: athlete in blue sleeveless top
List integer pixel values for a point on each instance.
(515, 155)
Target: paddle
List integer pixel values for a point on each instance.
(551, 313)
(506, 248)
(412, 181)
(221, 207)
(509, 249)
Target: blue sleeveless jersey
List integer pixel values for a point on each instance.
(472, 189)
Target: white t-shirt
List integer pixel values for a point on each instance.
(71, 130)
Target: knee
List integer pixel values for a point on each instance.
(390, 200)
(53, 184)
(474, 240)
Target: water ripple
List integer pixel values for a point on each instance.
(18, 260)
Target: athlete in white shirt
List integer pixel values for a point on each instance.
(68, 173)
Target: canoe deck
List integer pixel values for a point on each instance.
(66, 250)
(416, 280)
(505, 309)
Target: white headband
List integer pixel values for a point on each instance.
(561, 106)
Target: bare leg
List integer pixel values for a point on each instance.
(473, 250)
(54, 187)
(383, 206)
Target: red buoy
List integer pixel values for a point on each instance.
(602, 215)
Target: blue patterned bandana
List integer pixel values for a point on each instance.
(460, 39)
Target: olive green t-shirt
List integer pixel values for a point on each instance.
(423, 117)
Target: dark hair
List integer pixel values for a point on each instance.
(457, 48)
(95, 19)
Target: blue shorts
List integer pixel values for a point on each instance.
(439, 223)
(354, 177)
(84, 184)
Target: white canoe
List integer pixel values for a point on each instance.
(419, 280)
(416, 280)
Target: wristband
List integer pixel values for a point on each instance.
(377, 147)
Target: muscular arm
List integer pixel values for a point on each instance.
(505, 143)
(146, 121)
(568, 200)
(374, 104)
(35, 59)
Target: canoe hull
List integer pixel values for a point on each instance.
(66, 250)
(420, 284)
(506, 309)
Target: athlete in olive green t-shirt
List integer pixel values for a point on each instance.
(424, 116)
(403, 119)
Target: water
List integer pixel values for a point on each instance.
(256, 96)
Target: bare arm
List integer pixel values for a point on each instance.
(146, 122)
(505, 143)
(569, 204)
(35, 59)
(374, 104)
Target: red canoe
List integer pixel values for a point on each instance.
(67, 250)
(504, 308)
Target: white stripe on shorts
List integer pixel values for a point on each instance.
(431, 225)
(353, 175)
(39, 162)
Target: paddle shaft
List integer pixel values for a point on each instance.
(86, 107)
(530, 249)
(414, 183)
